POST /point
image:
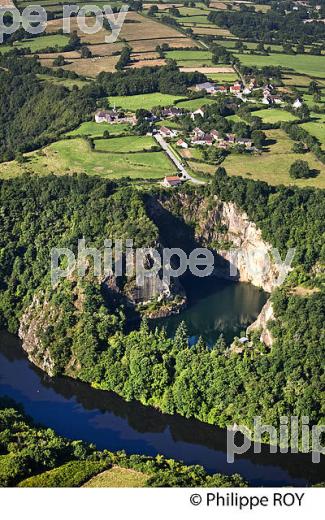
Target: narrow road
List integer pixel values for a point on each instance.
(180, 166)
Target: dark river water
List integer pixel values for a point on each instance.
(77, 411)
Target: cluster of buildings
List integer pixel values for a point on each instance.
(213, 89)
(114, 116)
(220, 140)
(269, 98)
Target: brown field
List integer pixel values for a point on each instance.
(70, 55)
(6, 3)
(105, 49)
(151, 44)
(93, 66)
(217, 31)
(147, 63)
(144, 28)
(99, 37)
(207, 70)
(145, 55)
(217, 5)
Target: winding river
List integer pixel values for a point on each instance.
(77, 411)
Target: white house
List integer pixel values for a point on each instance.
(297, 104)
(198, 112)
(181, 143)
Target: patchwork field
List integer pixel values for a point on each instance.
(75, 156)
(147, 101)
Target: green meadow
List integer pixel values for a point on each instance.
(40, 43)
(93, 129)
(301, 63)
(147, 101)
(132, 143)
(274, 115)
(190, 55)
(194, 104)
(75, 156)
(316, 127)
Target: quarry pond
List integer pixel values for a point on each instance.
(77, 411)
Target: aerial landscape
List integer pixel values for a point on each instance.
(181, 129)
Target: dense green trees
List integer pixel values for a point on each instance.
(82, 323)
(34, 113)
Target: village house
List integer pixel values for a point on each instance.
(235, 88)
(216, 135)
(167, 132)
(171, 112)
(221, 89)
(198, 112)
(171, 181)
(248, 143)
(297, 104)
(197, 132)
(205, 139)
(181, 143)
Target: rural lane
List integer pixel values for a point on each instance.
(181, 168)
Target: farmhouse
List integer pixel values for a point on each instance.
(170, 182)
(181, 143)
(197, 132)
(205, 139)
(248, 143)
(221, 89)
(113, 116)
(167, 132)
(209, 87)
(235, 88)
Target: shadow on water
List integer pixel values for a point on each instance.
(215, 307)
(78, 411)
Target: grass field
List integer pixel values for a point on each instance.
(117, 477)
(68, 83)
(132, 143)
(147, 101)
(301, 63)
(194, 104)
(93, 129)
(274, 115)
(226, 77)
(38, 44)
(316, 127)
(190, 55)
(74, 156)
(273, 166)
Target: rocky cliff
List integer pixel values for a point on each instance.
(262, 323)
(241, 252)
